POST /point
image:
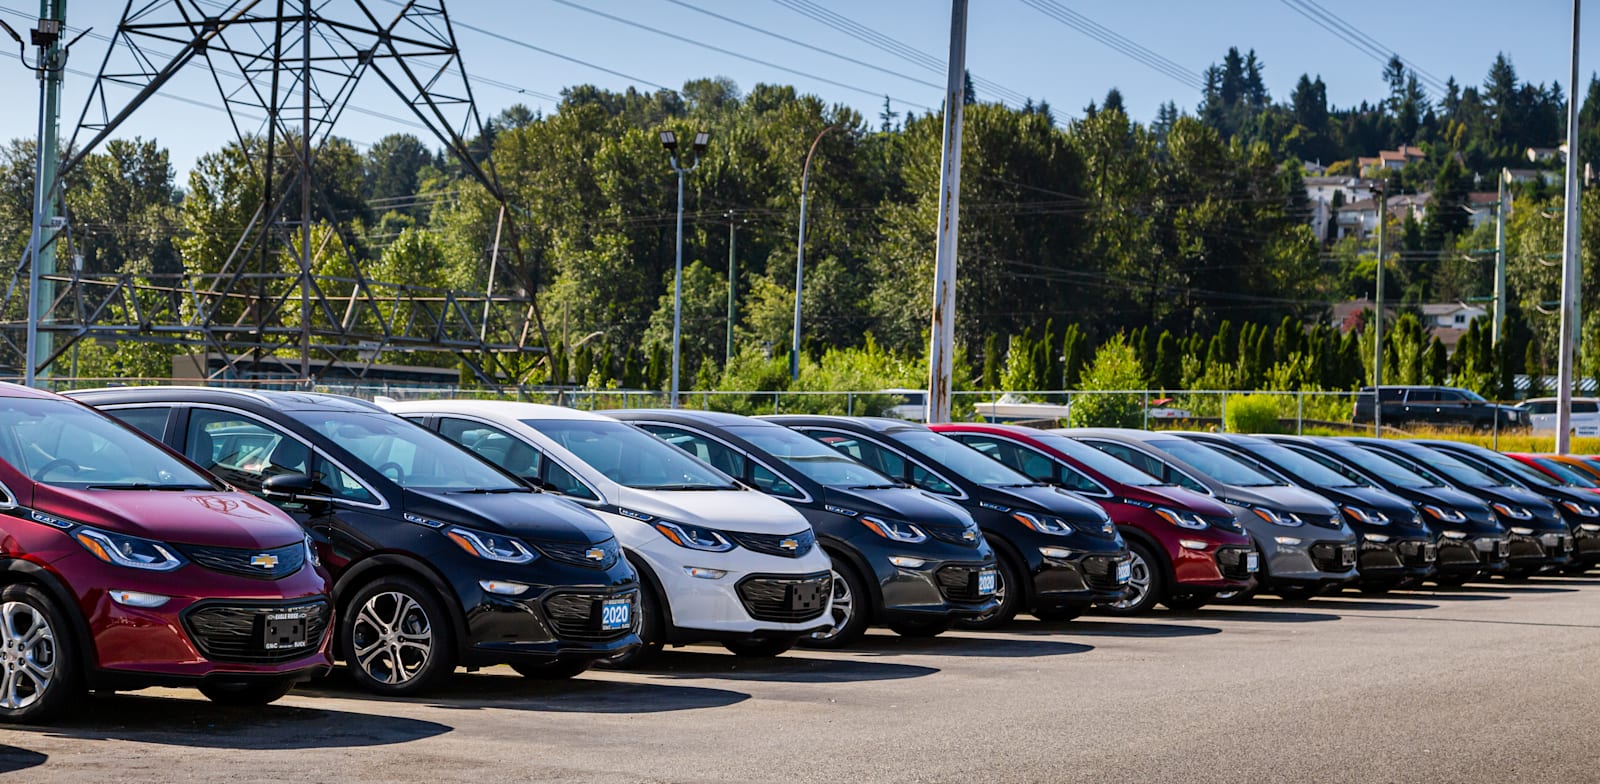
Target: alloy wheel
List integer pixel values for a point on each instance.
(844, 607)
(393, 639)
(28, 651)
(1138, 582)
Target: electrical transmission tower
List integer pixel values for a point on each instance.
(285, 71)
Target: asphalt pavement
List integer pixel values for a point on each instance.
(1489, 683)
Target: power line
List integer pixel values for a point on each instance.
(1118, 42)
(455, 22)
(1422, 73)
(1362, 42)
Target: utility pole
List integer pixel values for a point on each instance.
(1501, 207)
(733, 283)
(1377, 319)
(305, 191)
(800, 255)
(1569, 264)
(941, 354)
(49, 64)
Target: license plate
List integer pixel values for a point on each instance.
(1252, 563)
(282, 631)
(1430, 553)
(1502, 548)
(1124, 572)
(986, 581)
(616, 614)
(1347, 556)
(807, 597)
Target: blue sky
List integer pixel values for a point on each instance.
(1011, 43)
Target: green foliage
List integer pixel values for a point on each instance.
(1115, 368)
(1252, 414)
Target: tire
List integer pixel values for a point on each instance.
(1147, 579)
(921, 629)
(851, 610)
(759, 647)
(555, 670)
(1008, 588)
(38, 664)
(1295, 593)
(396, 637)
(1060, 614)
(253, 693)
(652, 633)
(1188, 602)
(1451, 580)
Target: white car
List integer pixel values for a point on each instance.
(1541, 414)
(717, 561)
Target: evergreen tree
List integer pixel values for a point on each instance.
(1533, 365)
(1168, 373)
(1075, 347)
(991, 362)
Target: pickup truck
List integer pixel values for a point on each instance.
(1447, 406)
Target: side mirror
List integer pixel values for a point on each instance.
(287, 486)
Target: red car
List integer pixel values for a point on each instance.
(123, 565)
(1186, 548)
(1570, 470)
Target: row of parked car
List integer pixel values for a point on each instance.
(242, 542)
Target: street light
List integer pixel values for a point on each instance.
(800, 255)
(669, 140)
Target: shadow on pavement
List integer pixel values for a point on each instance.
(1262, 613)
(782, 669)
(13, 759)
(950, 645)
(586, 693)
(199, 723)
(1103, 627)
(1370, 603)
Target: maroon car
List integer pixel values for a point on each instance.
(1186, 548)
(122, 566)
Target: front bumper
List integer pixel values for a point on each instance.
(935, 589)
(1541, 551)
(739, 591)
(561, 623)
(1080, 578)
(1394, 557)
(1305, 555)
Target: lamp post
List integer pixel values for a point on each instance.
(800, 254)
(1381, 191)
(669, 140)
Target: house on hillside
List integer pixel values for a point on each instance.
(1360, 218)
(1447, 321)
(1548, 176)
(1542, 154)
(1391, 159)
(1482, 207)
(1320, 191)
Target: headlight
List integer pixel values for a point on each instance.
(129, 551)
(1368, 516)
(892, 529)
(1190, 520)
(1454, 534)
(311, 552)
(1277, 518)
(1581, 510)
(1513, 512)
(493, 547)
(694, 537)
(1044, 524)
(1520, 531)
(1445, 515)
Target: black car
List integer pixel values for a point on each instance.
(1433, 405)
(1576, 507)
(1396, 545)
(1470, 542)
(901, 557)
(439, 559)
(1058, 553)
(1526, 517)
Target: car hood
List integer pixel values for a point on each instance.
(744, 511)
(539, 516)
(1069, 506)
(1290, 499)
(902, 503)
(1370, 498)
(204, 518)
(1180, 498)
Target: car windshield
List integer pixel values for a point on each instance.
(1473, 396)
(808, 456)
(1096, 460)
(1569, 475)
(968, 463)
(1299, 466)
(1515, 470)
(64, 444)
(1212, 463)
(630, 456)
(410, 456)
(1456, 470)
(1383, 467)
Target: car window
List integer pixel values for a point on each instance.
(768, 482)
(1568, 474)
(950, 455)
(1422, 396)
(495, 445)
(814, 460)
(1297, 466)
(1544, 408)
(1584, 407)
(246, 453)
(727, 460)
(66, 444)
(1024, 461)
(888, 463)
(1217, 465)
(407, 454)
(150, 420)
(631, 457)
(1457, 470)
(1332, 465)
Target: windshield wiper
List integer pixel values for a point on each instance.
(874, 487)
(148, 486)
(489, 490)
(1025, 484)
(670, 488)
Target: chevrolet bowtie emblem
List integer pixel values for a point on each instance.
(969, 535)
(790, 544)
(264, 560)
(595, 554)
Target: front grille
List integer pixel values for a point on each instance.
(234, 633)
(1234, 562)
(1452, 551)
(954, 534)
(785, 599)
(1332, 556)
(1528, 548)
(1323, 521)
(1417, 553)
(1225, 523)
(960, 583)
(1100, 572)
(270, 564)
(1556, 543)
(576, 616)
(582, 553)
(783, 545)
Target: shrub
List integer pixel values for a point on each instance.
(1252, 414)
(1116, 367)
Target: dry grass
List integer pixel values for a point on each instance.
(1507, 442)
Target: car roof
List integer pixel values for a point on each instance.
(1557, 400)
(281, 400)
(709, 418)
(507, 409)
(1123, 433)
(872, 424)
(8, 389)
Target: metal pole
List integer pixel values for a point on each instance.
(42, 254)
(1377, 323)
(1569, 263)
(306, 180)
(677, 293)
(732, 288)
(941, 354)
(494, 261)
(800, 256)
(1501, 207)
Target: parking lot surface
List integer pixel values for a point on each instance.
(1493, 682)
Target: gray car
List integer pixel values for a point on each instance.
(1304, 541)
